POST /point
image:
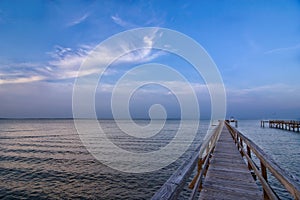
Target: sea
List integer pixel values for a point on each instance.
(46, 159)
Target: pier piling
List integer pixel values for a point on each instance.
(282, 124)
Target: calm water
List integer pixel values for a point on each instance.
(45, 159)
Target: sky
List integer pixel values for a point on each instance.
(255, 45)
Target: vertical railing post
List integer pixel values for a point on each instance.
(235, 137)
(199, 168)
(265, 176)
(249, 154)
(242, 146)
(237, 141)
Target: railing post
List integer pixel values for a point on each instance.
(235, 137)
(242, 146)
(199, 168)
(265, 176)
(249, 154)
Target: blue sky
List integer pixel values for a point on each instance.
(255, 44)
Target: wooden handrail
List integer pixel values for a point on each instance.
(174, 185)
(199, 178)
(267, 163)
(210, 140)
(208, 145)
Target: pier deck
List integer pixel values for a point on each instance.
(228, 176)
(222, 172)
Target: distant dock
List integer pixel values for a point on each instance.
(282, 124)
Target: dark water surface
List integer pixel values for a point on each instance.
(45, 159)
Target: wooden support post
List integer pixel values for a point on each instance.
(291, 125)
(235, 137)
(241, 144)
(265, 176)
(294, 127)
(285, 127)
(200, 163)
(249, 154)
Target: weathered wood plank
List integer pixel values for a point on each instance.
(216, 185)
(216, 195)
(233, 183)
(228, 176)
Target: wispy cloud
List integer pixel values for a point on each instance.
(283, 49)
(121, 22)
(65, 62)
(280, 88)
(180, 87)
(79, 20)
(67, 58)
(23, 72)
(22, 80)
(273, 94)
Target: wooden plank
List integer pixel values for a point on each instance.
(230, 195)
(228, 176)
(233, 183)
(232, 188)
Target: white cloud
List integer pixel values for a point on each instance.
(65, 62)
(266, 88)
(21, 80)
(79, 20)
(122, 22)
(181, 87)
(283, 49)
(281, 95)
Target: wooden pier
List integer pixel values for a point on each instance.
(263, 122)
(282, 124)
(225, 170)
(228, 176)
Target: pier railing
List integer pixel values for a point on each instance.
(204, 156)
(247, 148)
(174, 185)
